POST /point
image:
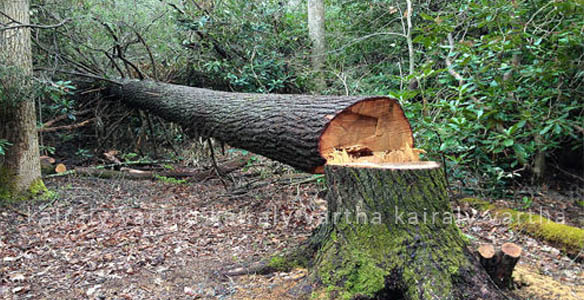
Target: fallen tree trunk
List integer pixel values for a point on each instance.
(299, 130)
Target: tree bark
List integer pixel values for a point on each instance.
(298, 130)
(390, 234)
(316, 20)
(20, 168)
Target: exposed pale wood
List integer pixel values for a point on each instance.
(47, 165)
(47, 159)
(67, 127)
(376, 129)
(60, 168)
(111, 156)
(415, 165)
(486, 251)
(512, 250)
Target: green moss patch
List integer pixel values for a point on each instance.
(562, 236)
(36, 189)
(281, 264)
(361, 261)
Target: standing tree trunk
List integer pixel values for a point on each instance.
(316, 16)
(20, 168)
(390, 234)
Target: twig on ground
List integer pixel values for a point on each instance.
(69, 127)
(18, 211)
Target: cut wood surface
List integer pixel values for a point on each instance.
(48, 166)
(299, 130)
(60, 168)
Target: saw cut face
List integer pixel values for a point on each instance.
(373, 131)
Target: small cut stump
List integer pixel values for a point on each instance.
(500, 265)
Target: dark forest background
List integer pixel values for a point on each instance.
(492, 88)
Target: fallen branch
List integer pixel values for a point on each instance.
(127, 173)
(259, 183)
(19, 212)
(66, 127)
(63, 117)
(256, 268)
(120, 171)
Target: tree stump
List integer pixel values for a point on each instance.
(390, 234)
(500, 265)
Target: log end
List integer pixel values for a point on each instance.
(373, 133)
(60, 168)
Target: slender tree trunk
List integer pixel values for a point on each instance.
(316, 16)
(409, 37)
(539, 165)
(390, 234)
(20, 167)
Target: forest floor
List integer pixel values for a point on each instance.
(144, 239)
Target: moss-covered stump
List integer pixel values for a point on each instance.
(390, 234)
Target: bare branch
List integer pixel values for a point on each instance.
(82, 75)
(449, 63)
(20, 25)
(154, 73)
(365, 37)
(120, 52)
(63, 117)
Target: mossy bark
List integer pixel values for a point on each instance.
(390, 235)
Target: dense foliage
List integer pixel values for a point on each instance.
(497, 87)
